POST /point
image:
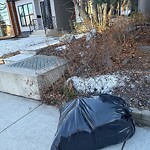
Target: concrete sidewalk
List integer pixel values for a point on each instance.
(30, 125)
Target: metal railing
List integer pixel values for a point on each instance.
(33, 25)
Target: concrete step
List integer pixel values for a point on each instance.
(34, 49)
(37, 48)
(54, 32)
(38, 33)
(48, 32)
(29, 77)
(17, 58)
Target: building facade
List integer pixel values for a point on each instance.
(4, 20)
(44, 14)
(9, 25)
(18, 16)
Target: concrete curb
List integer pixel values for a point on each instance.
(141, 116)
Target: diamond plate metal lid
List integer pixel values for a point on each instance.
(36, 64)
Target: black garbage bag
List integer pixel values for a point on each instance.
(92, 123)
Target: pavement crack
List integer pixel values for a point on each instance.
(20, 118)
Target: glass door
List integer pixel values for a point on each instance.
(43, 12)
(46, 14)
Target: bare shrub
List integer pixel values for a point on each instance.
(110, 50)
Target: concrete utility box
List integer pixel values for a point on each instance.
(30, 76)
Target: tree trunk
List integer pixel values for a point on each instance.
(95, 11)
(111, 11)
(81, 8)
(105, 15)
(100, 14)
(119, 7)
(84, 14)
(115, 7)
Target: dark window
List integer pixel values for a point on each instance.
(26, 14)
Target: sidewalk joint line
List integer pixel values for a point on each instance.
(20, 118)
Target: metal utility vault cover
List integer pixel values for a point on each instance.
(38, 62)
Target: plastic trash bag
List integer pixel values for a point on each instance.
(92, 123)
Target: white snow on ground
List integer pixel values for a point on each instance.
(78, 36)
(102, 84)
(61, 48)
(13, 45)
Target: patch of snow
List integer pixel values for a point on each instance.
(148, 77)
(93, 32)
(88, 46)
(61, 48)
(90, 34)
(78, 36)
(13, 45)
(126, 12)
(71, 37)
(67, 38)
(101, 84)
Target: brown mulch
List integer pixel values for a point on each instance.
(136, 91)
(108, 52)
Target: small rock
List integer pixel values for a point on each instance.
(140, 104)
(60, 48)
(93, 32)
(144, 48)
(88, 46)
(125, 61)
(90, 34)
(67, 38)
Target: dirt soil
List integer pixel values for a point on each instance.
(115, 50)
